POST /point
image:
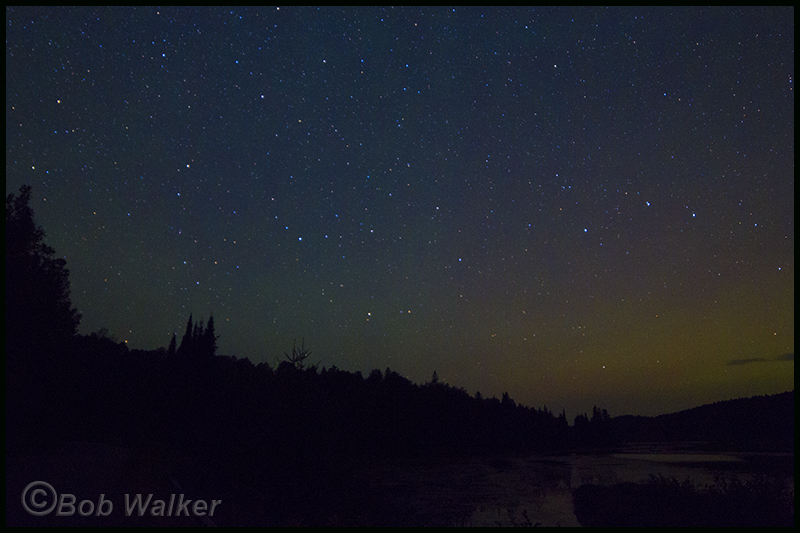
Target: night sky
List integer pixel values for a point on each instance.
(577, 206)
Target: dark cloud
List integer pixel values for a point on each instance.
(784, 357)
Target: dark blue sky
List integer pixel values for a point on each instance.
(577, 206)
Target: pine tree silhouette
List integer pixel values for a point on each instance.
(198, 343)
(40, 327)
(197, 334)
(186, 341)
(39, 314)
(171, 350)
(208, 340)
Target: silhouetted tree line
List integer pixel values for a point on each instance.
(198, 343)
(39, 320)
(39, 315)
(284, 432)
(760, 423)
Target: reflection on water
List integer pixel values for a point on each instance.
(679, 458)
(538, 490)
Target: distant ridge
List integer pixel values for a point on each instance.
(764, 423)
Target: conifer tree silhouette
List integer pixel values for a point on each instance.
(186, 341)
(171, 350)
(208, 340)
(197, 334)
(40, 330)
(198, 342)
(39, 314)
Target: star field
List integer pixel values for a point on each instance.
(577, 206)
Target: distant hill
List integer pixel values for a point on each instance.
(764, 423)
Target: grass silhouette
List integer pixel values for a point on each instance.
(661, 501)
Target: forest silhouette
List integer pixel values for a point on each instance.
(293, 434)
